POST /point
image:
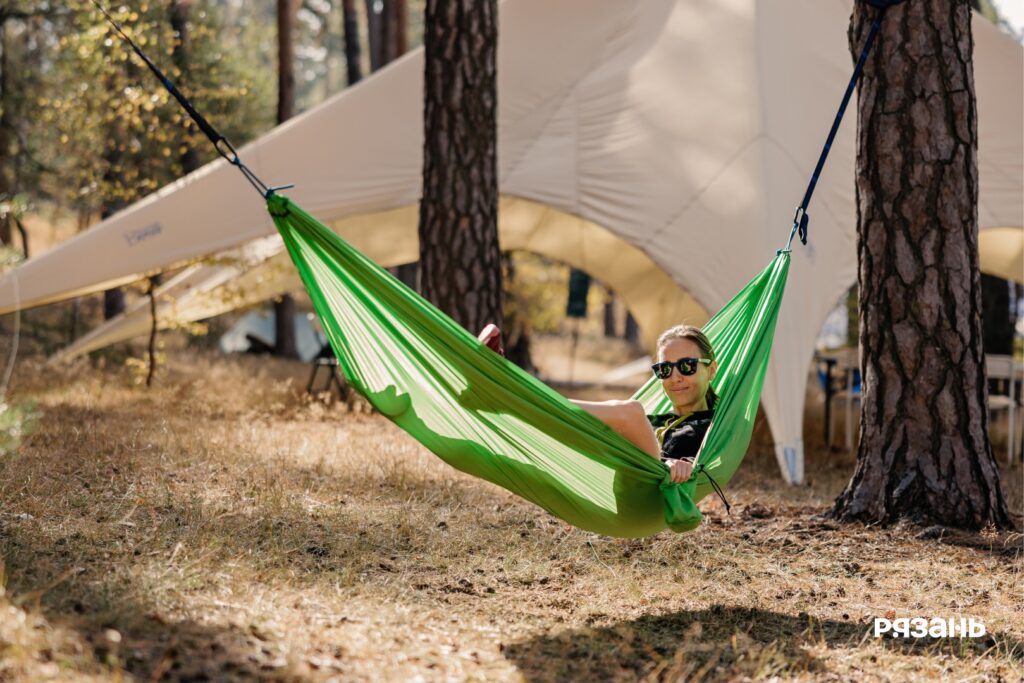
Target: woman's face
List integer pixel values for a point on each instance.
(686, 391)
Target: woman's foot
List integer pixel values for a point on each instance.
(491, 337)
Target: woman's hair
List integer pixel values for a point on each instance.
(695, 335)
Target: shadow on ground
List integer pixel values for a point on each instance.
(81, 584)
(77, 559)
(719, 643)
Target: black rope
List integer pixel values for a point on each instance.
(220, 143)
(714, 485)
(800, 219)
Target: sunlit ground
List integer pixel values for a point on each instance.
(222, 526)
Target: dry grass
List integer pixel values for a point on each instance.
(220, 526)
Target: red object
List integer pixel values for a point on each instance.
(491, 338)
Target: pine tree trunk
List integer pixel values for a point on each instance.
(401, 23)
(284, 308)
(516, 327)
(924, 450)
(460, 259)
(285, 60)
(113, 299)
(352, 66)
(179, 12)
(6, 125)
(24, 236)
(376, 41)
(394, 28)
(395, 21)
(632, 333)
(609, 317)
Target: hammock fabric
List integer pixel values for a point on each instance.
(485, 416)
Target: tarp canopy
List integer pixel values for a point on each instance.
(660, 145)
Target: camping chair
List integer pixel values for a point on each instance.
(326, 359)
(1004, 374)
(851, 394)
(824, 366)
(847, 387)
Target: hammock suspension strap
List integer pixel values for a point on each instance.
(714, 485)
(800, 218)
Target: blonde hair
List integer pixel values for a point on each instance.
(697, 336)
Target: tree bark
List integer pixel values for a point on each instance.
(284, 308)
(632, 332)
(351, 21)
(610, 328)
(395, 17)
(179, 12)
(375, 34)
(516, 326)
(113, 299)
(153, 326)
(924, 449)
(24, 236)
(285, 60)
(460, 259)
(6, 125)
(400, 15)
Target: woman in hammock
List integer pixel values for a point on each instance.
(686, 365)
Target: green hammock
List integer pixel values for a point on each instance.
(485, 416)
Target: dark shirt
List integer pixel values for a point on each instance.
(682, 441)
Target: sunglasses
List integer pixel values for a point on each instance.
(686, 366)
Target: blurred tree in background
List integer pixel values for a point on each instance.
(114, 134)
(25, 39)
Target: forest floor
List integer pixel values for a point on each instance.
(222, 526)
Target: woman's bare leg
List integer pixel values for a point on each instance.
(628, 419)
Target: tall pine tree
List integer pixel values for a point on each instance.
(924, 450)
(460, 260)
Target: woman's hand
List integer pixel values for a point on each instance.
(680, 470)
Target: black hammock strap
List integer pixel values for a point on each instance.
(714, 485)
(800, 219)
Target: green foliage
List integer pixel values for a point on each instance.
(114, 132)
(15, 206)
(84, 123)
(16, 422)
(11, 208)
(852, 318)
(987, 10)
(536, 290)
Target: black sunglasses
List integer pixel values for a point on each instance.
(686, 366)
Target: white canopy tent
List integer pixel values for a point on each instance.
(660, 145)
